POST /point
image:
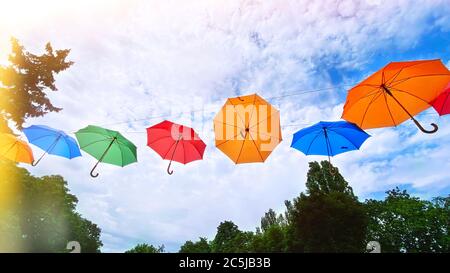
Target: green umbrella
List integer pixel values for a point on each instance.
(107, 146)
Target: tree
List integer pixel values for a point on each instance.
(25, 81)
(229, 239)
(328, 218)
(271, 237)
(38, 214)
(201, 246)
(402, 223)
(145, 248)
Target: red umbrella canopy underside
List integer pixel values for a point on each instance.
(175, 142)
(442, 103)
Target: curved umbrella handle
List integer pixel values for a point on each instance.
(333, 170)
(34, 163)
(92, 172)
(432, 131)
(170, 172)
(101, 158)
(93, 169)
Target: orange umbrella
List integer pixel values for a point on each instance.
(15, 149)
(247, 129)
(396, 93)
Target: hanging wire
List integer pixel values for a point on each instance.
(297, 93)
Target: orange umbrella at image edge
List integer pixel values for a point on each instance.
(396, 93)
(15, 149)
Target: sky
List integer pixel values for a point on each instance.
(136, 61)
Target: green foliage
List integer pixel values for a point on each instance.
(402, 223)
(329, 217)
(229, 239)
(24, 82)
(201, 246)
(145, 248)
(39, 214)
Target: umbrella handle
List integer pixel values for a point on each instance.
(435, 127)
(34, 164)
(101, 158)
(434, 130)
(92, 171)
(170, 172)
(173, 154)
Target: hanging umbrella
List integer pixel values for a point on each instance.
(15, 149)
(107, 146)
(54, 142)
(442, 103)
(396, 93)
(329, 138)
(247, 129)
(175, 142)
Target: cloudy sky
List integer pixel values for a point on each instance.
(136, 61)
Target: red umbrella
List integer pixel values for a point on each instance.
(442, 103)
(175, 142)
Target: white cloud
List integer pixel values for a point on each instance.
(151, 58)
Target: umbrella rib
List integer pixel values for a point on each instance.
(170, 148)
(368, 106)
(395, 83)
(263, 120)
(242, 147)
(95, 142)
(254, 143)
(32, 140)
(228, 140)
(258, 132)
(389, 109)
(406, 92)
(234, 106)
(195, 149)
(312, 141)
(158, 140)
(394, 77)
(365, 96)
(68, 146)
(228, 124)
(184, 152)
(401, 70)
(10, 148)
(251, 114)
(336, 132)
(443, 105)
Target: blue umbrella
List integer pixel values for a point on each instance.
(329, 138)
(52, 141)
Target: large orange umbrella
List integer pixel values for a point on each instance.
(15, 149)
(396, 93)
(247, 129)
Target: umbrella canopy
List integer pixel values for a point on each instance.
(396, 93)
(15, 149)
(247, 129)
(442, 103)
(329, 138)
(175, 142)
(107, 146)
(52, 141)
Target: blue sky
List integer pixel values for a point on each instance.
(137, 59)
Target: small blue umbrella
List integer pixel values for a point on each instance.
(52, 141)
(329, 138)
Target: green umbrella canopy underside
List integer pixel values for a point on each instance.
(95, 141)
